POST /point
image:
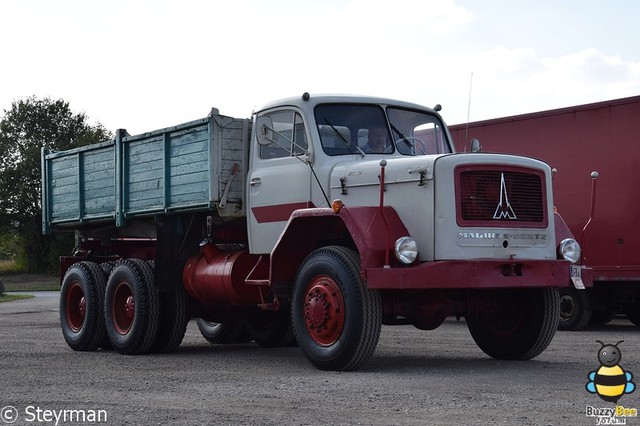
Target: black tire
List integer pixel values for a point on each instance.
(514, 324)
(222, 332)
(271, 329)
(107, 267)
(175, 315)
(81, 307)
(132, 307)
(575, 309)
(336, 319)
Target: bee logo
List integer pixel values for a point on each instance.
(610, 381)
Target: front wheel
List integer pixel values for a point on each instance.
(336, 319)
(514, 324)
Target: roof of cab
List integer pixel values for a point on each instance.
(310, 101)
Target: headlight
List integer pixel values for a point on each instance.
(406, 250)
(569, 249)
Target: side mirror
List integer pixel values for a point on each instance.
(264, 130)
(475, 145)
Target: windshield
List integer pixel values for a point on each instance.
(417, 133)
(363, 129)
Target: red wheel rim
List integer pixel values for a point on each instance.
(324, 311)
(124, 308)
(76, 307)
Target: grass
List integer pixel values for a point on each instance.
(14, 279)
(30, 282)
(8, 267)
(4, 297)
(19, 282)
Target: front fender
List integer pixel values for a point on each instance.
(362, 228)
(562, 230)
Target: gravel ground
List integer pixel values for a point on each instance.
(415, 377)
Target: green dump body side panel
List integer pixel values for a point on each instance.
(180, 158)
(79, 184)
(180, 168)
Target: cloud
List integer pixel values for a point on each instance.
(144, 64)
(385, 17)
(514, 81)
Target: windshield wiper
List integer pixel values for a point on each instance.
(344, 140)
(402, 137)
(411, 145)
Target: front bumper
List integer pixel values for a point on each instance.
(471, 274)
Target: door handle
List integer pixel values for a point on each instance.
(255, 181)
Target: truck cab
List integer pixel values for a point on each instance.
(302, 147)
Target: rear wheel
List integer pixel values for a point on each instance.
(232, 331)
(575, 310)
(514, 324)
(174, 307)
(132, 307)
(81, 307)
(271, 329)
(336, 319)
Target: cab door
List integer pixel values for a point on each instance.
(279, 180)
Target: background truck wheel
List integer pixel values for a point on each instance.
(132, 307)
(81, 307)
(575, 309)
(174, 310)
(514, 324)
(336, 319)
(271, 329)
(233, 331)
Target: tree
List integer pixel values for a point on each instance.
(28, 126)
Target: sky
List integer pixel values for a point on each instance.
(147, 64)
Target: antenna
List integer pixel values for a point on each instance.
(466, 132)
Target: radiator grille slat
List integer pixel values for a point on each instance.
(501, 198)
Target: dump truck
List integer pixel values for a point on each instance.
(594, 151)
(314, 223)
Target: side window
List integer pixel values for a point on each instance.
(289, 136)
(299, 136)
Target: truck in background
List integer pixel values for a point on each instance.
(320, 219)
(595, 151)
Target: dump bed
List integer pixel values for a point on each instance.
(200, 165)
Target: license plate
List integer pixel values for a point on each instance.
(576, 276)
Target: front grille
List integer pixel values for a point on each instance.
(491, 196)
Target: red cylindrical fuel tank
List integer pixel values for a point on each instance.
(215, 276)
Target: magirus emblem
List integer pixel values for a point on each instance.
(504, 210)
